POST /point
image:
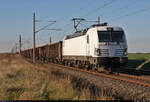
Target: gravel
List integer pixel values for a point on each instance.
(118, 88)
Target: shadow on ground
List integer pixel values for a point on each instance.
(132, 65)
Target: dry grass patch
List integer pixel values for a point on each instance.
(24, 81)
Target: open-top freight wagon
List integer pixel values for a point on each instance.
(48, 52)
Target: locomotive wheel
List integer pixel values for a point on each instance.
(116, 73)
(107, 72)
(65, 63)
(101, 69)
(110, 70)
(71, 64)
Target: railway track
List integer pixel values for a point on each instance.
(122, 77)
(138, 80)
(127, 86)
(133, 71)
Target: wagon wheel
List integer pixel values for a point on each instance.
(110, 70)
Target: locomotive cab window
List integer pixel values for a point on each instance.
(113, 36)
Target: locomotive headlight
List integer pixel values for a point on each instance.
(125, 52)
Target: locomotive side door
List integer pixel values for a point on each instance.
(87, 45)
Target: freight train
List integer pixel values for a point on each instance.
(94, 47)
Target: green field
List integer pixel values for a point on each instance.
(135, 59)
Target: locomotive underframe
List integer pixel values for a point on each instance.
(90, 62)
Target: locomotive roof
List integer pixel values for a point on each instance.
(76, 34)
(102, 26)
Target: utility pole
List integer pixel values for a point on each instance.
(98, 20)
(20, 44)
(16, 47)
(34, 37)
(34, 32)
(50, 40)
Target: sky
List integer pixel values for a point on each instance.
(16, 18)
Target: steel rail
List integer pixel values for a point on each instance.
(121, 77)
(134, 77)
(135, 81)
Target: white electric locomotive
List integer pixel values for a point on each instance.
(99, 45)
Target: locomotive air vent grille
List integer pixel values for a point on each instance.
(104, 52)
(119, 52)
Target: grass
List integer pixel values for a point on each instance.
(136, 59)
(21, 80)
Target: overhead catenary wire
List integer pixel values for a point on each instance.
(131, 14)
(95, 10)
(128, 5)
(124, 7)
(69, 24)
(87, 5)
(45, 27)
(101, 7)
(80, 8)
(131, 4)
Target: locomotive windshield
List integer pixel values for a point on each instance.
(110, 36)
